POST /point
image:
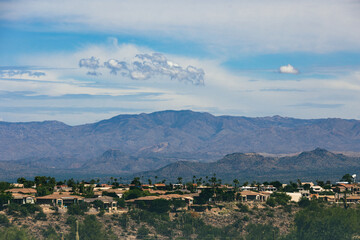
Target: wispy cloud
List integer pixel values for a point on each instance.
(318, 105)
(288, 69)
(16, 73)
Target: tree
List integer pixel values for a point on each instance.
(179, 180)
(4, 186)
(5, 197)
(159, 206)
(136, 182)
(236, 183)
(347, 178)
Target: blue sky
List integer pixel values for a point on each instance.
(83, 61)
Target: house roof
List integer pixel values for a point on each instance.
(57, 195)
(249, 193)
(22, 190)
(21, 196)
(105, 199)
(166, 197)
(353, 197)
(114, 190)
(159, 185)
(346, 185)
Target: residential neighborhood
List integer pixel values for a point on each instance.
(118, 198)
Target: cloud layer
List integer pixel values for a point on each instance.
(146, 66)
(262, 26)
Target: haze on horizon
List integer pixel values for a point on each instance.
(81, 61)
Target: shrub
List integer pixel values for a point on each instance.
(4, 221)
(41, 216)
(271, 202)
(78, 209)
(243, 207)
(142, 232)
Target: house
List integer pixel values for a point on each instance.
(353, 199)
(304, 193)
(267, 188)
(62, 188)
(116, 191)
(317, 189)
(187, 198)
(346, 187)
(328, 198)
(109, 202)
(17, 185)
(160, 186)
(59, 199)
(29, 191)
(246, 196)
(295, 196)
(309, 183)
(248, 188)
(20, 198)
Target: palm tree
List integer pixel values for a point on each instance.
(194, 177)
(236, 183)
(179, 180)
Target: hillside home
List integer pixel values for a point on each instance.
(246, 196)
(353, 199)
(59, 199)
(109, 203)
(29, 191)
(268, 188)
(317, 189)
(62, 188)
(116, 191)
(20, 198)
(310, 183)
(295, 196)
(248, 188)
(187, 198)
(160, 186)
(346, 187)
(328, 198)
(17, 185)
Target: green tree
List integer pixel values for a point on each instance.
(347, 178)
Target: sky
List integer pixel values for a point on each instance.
(80, 61)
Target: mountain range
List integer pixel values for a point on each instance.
(126, 144)
(309, 165)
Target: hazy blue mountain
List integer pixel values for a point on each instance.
(175, 133)
(316, 164)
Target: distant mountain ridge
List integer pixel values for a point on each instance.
(175, 133)
(319, 163)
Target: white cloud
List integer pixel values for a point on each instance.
(233, 26)
(145, 66)
(90, 63)
(288, 69)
